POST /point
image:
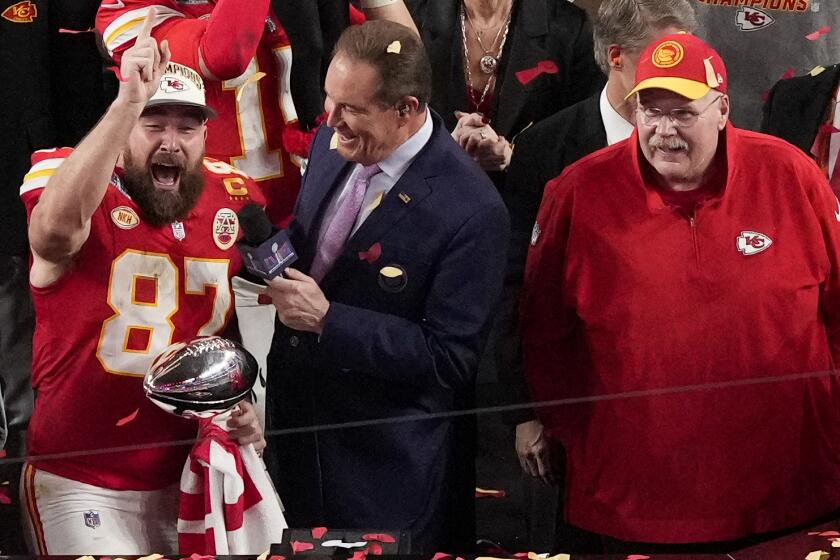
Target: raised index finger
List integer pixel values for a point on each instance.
(146, 28)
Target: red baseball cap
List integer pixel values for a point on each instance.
(681, 63)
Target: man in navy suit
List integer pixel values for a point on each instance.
(403, 239)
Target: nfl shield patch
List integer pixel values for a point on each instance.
(92, 519)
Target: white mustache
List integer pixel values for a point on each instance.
(667, 142)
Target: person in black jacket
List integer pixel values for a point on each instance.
(622, 29)
(27, 122)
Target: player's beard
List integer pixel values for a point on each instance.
(161, 207)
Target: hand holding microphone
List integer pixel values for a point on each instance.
(266, 253)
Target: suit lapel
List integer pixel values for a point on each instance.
(319, 186)
(531, 23)
(405, 195)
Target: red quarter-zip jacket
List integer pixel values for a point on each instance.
(716, 322)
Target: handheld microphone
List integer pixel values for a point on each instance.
(266, 251)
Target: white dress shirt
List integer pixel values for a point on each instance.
(617, 128)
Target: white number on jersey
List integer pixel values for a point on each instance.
(150, 319)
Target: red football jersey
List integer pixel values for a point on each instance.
(134, 289)
(252, 108)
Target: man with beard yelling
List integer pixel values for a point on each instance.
(132, 237)
(692, 270)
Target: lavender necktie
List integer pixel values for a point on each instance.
(342, 223)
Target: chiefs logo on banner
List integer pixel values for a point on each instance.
(22, 12)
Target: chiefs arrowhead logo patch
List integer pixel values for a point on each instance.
(752, 19)
(22, 12)
(752, 242)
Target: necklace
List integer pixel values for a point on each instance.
(493, 65)
(489, 62)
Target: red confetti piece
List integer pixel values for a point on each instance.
(276, 557)
(2, 453)
(542, 67)
(298, 546)
(637, 557)
(318, 532)
(359, 555)
(521, 555)
(4, 497)
(441, 555)
(75, 32)
(371, 255)
(818, 33)
(789, 73)
(486, 493)
(127, 419)
(264, 299)
(381, 537)
(116, 71)
(375, 549)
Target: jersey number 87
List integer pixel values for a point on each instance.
(149, 319)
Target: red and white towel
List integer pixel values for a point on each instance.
(228, 505)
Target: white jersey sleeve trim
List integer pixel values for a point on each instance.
(125, 28)
(39, 174)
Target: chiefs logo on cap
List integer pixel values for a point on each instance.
(22, 12)
(668, 54)
(171, 85)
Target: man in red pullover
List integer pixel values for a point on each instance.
(681, 296)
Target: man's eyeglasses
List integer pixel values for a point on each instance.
(682, 118)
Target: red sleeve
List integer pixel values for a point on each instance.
(827, 209)
(227, 40)
(547, 321)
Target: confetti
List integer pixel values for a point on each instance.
(394, 48)
(298, 546)
(375, 549)
(542, 67)
(334, 141)
(826, 533)
(818, 33)
(817, 70)
(489, 493)
(359, 555)
(318, 532)
(2, 453)
(441, 556)
(75, 31)
(263, 556)
(127, 419)
(817, 555)
(381, 537)
(371, 256)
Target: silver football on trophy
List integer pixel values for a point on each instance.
(201, 378)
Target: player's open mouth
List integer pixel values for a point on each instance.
(165, 176)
